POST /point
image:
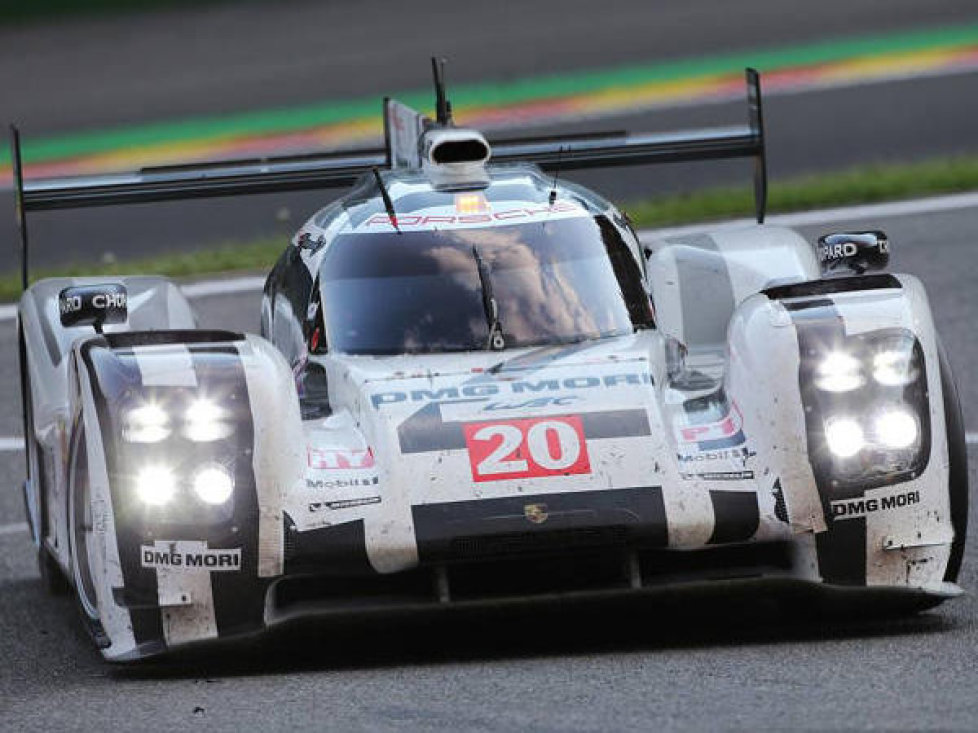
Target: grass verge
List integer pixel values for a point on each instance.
(864, 184)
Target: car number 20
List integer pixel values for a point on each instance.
(551, 446)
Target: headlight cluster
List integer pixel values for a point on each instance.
(870, 401)
(203, 421)
(157, 484)
(175, 458)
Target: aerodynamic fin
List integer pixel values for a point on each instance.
(20, 210)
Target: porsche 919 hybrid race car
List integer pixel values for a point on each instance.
(474, 384)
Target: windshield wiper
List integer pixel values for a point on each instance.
(489, 304)
(388, 204)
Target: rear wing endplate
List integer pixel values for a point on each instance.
(333, 170)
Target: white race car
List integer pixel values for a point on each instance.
(475, 384)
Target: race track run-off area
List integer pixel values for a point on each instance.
(733, 663)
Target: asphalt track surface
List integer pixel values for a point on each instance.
(722, 664)
(89, 74)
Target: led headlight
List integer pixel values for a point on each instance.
(839, 372)
(213, 484)
(204, 421)
(896, 428)
(155, 485)
(844, 437)
(894, 367)
(146, 423)
(866, 406)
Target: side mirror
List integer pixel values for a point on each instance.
(93, 305)
(853, 252)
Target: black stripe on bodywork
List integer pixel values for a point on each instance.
(705, 290)
(830, 286)
(736, 516)
(426, 432)
(540, 523)
(841, 549)
(239, 597)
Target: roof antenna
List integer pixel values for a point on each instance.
(443, 108)
(388, 204)
(553, 188)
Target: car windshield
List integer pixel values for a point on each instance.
(549, 282)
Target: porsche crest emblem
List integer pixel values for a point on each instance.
(536, 513)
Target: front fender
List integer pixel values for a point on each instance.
(892, 528)
(184, 570)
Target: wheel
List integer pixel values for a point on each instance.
(81, 535)
(53, 577)
(958, 458)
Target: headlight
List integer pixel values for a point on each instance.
(866, 401)
(894, 368)
(147, 423)
(896, 428)
(155, 485)
(844, 437)
(206, 422)
(839, 372)
(213, 484)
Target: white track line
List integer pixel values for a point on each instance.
(15, 528)
(223, 287)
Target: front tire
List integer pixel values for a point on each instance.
(958, 466)
(81, 534)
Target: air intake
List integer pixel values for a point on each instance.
(471, 150)
(455, 156)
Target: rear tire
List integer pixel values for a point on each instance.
(958, 465)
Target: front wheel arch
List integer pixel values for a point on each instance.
(957, 464)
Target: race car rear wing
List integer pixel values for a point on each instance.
(332, 170)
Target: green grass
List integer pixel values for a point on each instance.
(862, 185)
(865, 184)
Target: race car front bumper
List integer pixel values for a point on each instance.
(766, 572)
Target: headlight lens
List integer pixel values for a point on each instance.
(896, 428)
(206, 422)
(868, 394)
(839, 372)
(894, 368)
(155, 485)
(213, 484)
(844, 437)
(147, 423)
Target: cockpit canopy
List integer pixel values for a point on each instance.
(549, 280)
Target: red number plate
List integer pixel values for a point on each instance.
(549, 446)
